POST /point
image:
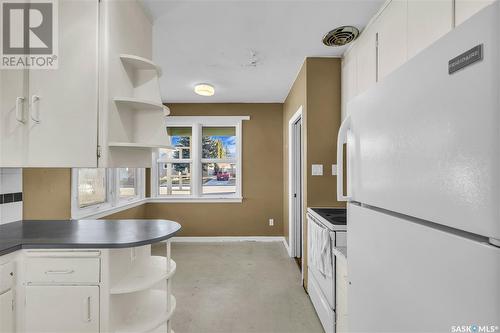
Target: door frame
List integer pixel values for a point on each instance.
(292, 228)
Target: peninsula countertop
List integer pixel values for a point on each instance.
(77, 234)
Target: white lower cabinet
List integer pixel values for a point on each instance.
(62, 309)
(7, 312)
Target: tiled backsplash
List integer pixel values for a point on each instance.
(11, 195)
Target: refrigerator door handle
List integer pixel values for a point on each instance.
(341, 140)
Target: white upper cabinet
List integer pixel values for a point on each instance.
(367, 60)
(400, 30)
(13, 117)
(428, 20)
(392, 37)
(63, 113)
(348, 78)
(466, 8)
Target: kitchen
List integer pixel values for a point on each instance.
(192, 183)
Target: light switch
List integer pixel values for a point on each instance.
(334, 169)
(317, 169)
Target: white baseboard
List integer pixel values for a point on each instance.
(285, 244)
(220, 239)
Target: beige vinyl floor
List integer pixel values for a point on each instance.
(239, 287)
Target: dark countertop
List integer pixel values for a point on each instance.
(78, 234)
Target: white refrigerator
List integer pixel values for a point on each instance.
(423, 189)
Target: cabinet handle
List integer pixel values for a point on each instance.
(66, 271)
(35, 109)
(19, 110)
(88, 313)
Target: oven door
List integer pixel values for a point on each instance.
(326, 284)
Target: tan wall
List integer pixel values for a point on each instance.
(46, 193)
(262, 178)
(296, 98)
(138, 212)
(323, 122)
(317, 89)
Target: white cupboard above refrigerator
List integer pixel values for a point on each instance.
(101, 107)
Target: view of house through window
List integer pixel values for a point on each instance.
(92, 187)
(205, 160)
(174, 169)
(218, 157)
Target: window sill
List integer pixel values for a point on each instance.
(116, 209)
(195, 200)
(109, 210)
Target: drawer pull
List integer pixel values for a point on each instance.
(66, 271)
(88, 310)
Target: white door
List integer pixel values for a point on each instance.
(7, 312)
(296, 212)
(63, 309)
(64, 100)
(425, 143)
(13, 117)
(408, 277)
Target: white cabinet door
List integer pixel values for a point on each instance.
(62, 309)
(6, 312)
(367, 60)
(67, 97)
(349, 84)
(466, 8)
(392, 37)
(428, 20)
(13, 112)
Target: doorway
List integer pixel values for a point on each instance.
(295, 186)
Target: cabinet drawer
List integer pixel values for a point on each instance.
(62, 270)
(6, 276)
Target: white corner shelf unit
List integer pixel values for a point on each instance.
(132, 113)
(138, 104)
(145, 275)
(139, 294)
(139, 63)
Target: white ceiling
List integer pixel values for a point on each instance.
(251, 51)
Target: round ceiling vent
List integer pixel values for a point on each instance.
(341, 36)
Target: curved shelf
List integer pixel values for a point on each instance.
(148, 316)
(139, 63)
(138, 145)
(145, 276)
(138, 104)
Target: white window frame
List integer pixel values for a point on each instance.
(113, 201)
(196, 160)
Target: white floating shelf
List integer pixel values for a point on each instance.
(138, 145)
(145, 276)
(138, 104)
(139, 63)
(148, 315)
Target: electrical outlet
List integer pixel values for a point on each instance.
(271, 222)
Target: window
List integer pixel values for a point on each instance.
(99, 190)
(205, 164)
(127, 180)
(92, 189)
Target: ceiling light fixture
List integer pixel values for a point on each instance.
(204, 89)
